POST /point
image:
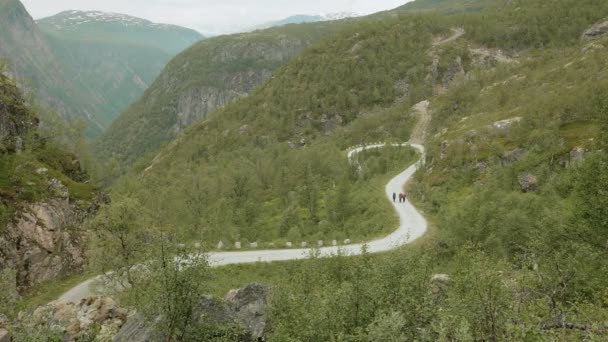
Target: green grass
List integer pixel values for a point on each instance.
(580, 133)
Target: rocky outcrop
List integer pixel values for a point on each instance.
(196, 103)
(528, 183)
(246, 307)
(596, 31)
(98, 317)
(249, 306)
(43, 244)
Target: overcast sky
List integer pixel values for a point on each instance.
(212, 16)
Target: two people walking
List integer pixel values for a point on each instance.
(402, 198)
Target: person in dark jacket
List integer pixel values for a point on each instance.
(394, 197)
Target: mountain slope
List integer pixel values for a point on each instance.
(304, 18)
(91, 70)
(201, 80)
(514, 177)
(32, 60)
(119, 29)
(44, 198)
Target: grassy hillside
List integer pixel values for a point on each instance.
(514, 183)
(519, 205)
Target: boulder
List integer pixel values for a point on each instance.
(77, 320)
(506, 124)
(440, 283)
(249, 306)
(596, 31)
(347, 242)
(136, 329)
(528, 183)
(577, 156)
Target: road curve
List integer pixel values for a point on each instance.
(412, 226)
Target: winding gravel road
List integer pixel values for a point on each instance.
(412, 226)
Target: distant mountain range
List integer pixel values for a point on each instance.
(118, 28)
(86, 65)
(304, 18)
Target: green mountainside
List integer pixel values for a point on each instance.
(199, 81)
(514, 184)
(89, 71)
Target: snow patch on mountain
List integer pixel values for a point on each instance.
(71, 19)
(339, 15)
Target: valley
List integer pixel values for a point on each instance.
(250, 192)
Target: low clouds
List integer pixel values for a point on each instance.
(212, 16)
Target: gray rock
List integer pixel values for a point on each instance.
(577, 156)
(288, 244)
(347, 242)
(440, 283)
(596, 31)
(528, 183)
(39, 245)
(220, 245)
(250, 305)
(237, 245)
(5, 336)
(136, 329)
(253, 245)
(506, 124)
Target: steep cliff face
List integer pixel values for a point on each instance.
(43, 199)
(41, 244)
(202, 80)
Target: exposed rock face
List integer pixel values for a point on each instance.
(249, 306)
(196, 103)
(41, 245)
(596, 31)
(454, 72)
(528, 183)
(245, 306)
